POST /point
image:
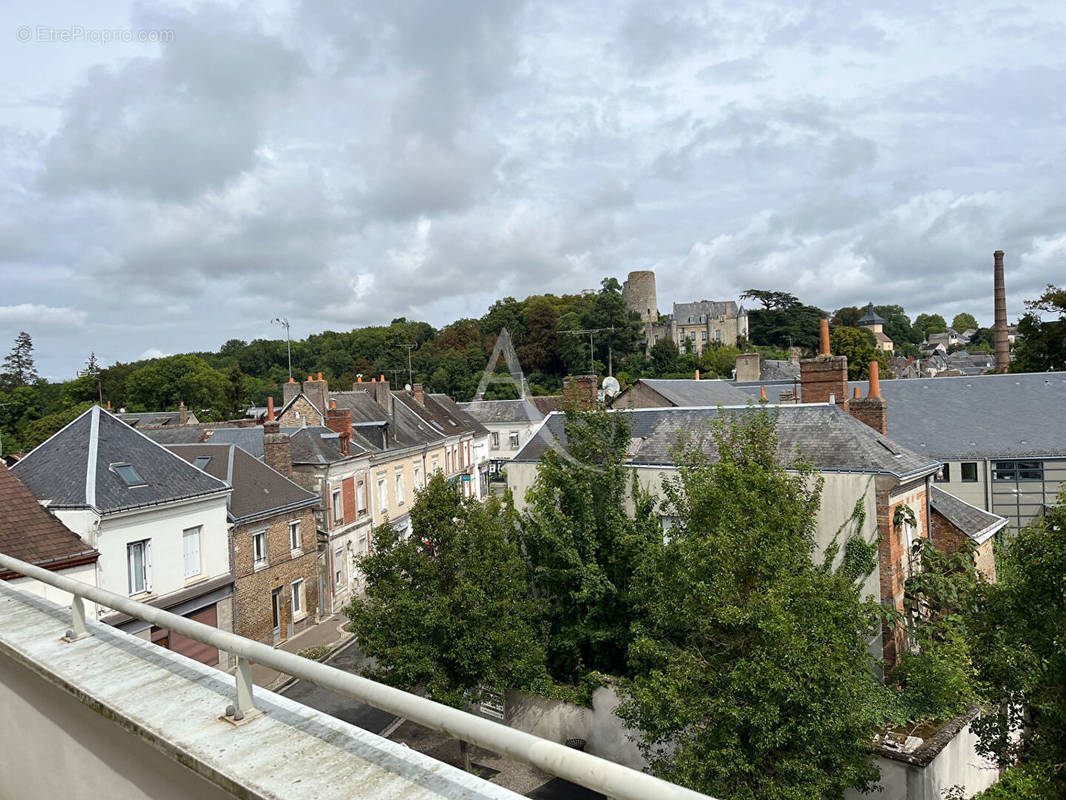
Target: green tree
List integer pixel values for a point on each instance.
(41, 429)
(1043, 342)
(1019, 626)
(964, 322)
(18, 364)
(718, 360)
(860, 347)
(664, 355)
(846, 317)
(583, 545)
(783, 321)
(898, 328)
(751, 674)
(448, 609)
(930, 323)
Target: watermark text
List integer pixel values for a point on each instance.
(71, 34)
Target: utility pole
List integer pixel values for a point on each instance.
(288, 341)
(410, 375)
(610, 350)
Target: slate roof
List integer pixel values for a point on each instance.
(314, 445)
(365, 409)
(690, 313)
(686, 392)
(249, 439)
(871, 317)
(258, 490)
(30, 533)
(546, 403)
(444, 418)
(975, 522)
(978, 416)
(502, 412)
(778, 370)
(75, 468)
(152, 419)
(459, 414)
(830, 438)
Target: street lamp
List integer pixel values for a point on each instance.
(288, 341)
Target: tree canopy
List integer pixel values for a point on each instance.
(1043, 342)
(860, 347)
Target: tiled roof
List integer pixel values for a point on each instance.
(364, 408)
(30, 533)
(975, 522)
(258, 490)
(489, 412)
(830, 438)
(690, 313)
(78, 468)
(687, 392)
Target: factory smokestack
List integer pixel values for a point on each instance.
(1000, 326)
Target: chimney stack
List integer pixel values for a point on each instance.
(1000, 326)
(183, 414)
(381, 393)
(825, 378)
(748, 368)
(317, 391)
(872, 409)
(419, 393)
(339, 420)
(277, 453)
(289, 391)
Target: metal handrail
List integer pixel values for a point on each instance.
(592, 772)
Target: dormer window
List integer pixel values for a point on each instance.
(129, 475)
(202, 462)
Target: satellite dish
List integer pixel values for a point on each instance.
(407, 386)
(611, 387)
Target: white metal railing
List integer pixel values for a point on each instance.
(613, 780)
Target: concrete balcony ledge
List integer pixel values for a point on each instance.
(114, 716)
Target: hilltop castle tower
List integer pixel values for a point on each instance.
(638, 291)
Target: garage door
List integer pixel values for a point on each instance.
(191, 648)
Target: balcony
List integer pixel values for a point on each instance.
(101, 713)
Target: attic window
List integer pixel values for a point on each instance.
(129, 475)
(889, 447)
(202, 461)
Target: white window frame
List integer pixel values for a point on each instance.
(513, 439)
(360, 498)
(337, 506)
(297, 597)
(260, 555)
(436, 463)
(145, 546)
(186, 536)
(383, 492)
(401, 495)
(495, 440)
(340, 572)
(418, 477)
(295, 542)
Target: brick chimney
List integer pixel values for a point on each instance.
(317, 391)
(277, 453)
(579, 390)
(826, 375)
(339, 420)
(183, 413)
(419, 393)
(748, 367)
(871, 409)
(1000, 325)
(289, 391)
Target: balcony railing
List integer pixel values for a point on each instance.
(613, 780)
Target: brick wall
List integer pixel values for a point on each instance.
(872, 411)
(893, 558)
(252, 588)
(948, 538)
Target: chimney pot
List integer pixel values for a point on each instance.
(762, 393)
(824, 337)
(270, 408)
(856, 392)
(697, 374)
(320, 376)
(358, 378)
(875, 380)
(382, 379)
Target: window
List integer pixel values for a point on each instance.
(259, 549)
(363, 550)
(137, 561)
(338, 566)
(418, 477)
(1018, 471)
(383, 493)
(513, 437)
(297, 598)
(190, 540)
(202, 462)
(495, 440)
(294, 535)
(129, 475)
(703, 336)
(360, 498)
(338, 508)
(399, 489)
(944, 476)
(436, 464)
(969, 472)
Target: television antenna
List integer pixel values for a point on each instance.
(288, 341)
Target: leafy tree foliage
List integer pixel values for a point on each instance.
(41, 429)
(18, 364)
(783, 321)
(846, 317)
(1043, 343)
(860, 347)
(1019, 626)
(964, 322)
(583, 546)
(448, 609)
(751, 672)
(930, 323)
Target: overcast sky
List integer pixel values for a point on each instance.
(343, 163)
